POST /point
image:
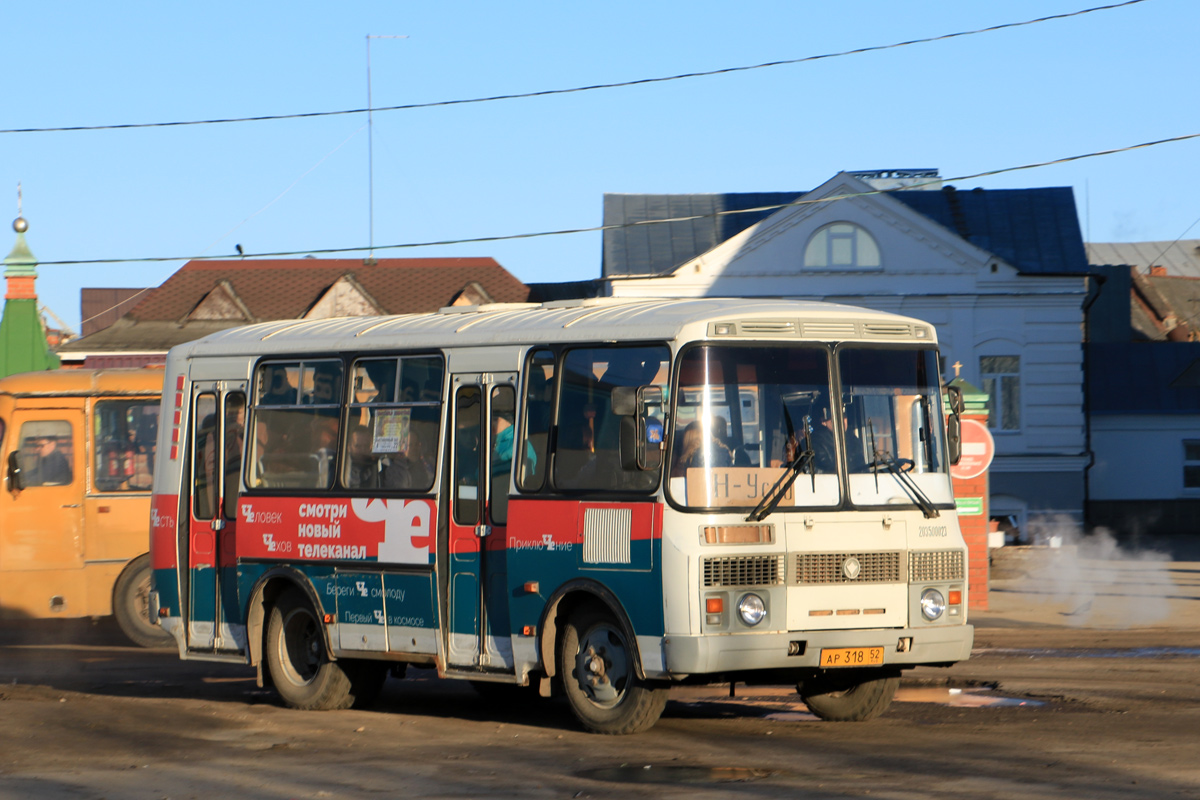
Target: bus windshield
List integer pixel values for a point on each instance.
(741, 416)
(744, 416)
(892, 409)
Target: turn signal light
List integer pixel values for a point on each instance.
(955, 598)
(329, 619)
(714, 605)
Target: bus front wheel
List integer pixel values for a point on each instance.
(600, 678)
(131, 606)
(300, 667)
(849, 697)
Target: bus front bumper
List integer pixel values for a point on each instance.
(902, 647)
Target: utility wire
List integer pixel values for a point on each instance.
(600, 228)
(593, 87)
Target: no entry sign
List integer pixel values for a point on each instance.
(978, 448)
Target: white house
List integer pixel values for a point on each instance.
(1001, 274)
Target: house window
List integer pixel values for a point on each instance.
(1002, 383)
(1191, 463)
(841, 245)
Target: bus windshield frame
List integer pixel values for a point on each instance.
(743, 414)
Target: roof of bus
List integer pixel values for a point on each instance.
(592, 319)
(59, 382)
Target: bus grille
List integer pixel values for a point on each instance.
(834, 568)
(935, 565)
(743, 571)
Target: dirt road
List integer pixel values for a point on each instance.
(1042, 709)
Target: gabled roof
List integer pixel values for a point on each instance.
(287, 288)
(1034, 230)
(208, 296)
(656, 249)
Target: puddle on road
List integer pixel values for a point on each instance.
(651, 773)
(1135, 652)
(782, 710)
(962, 698)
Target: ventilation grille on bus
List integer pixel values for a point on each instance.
(936, 565)
(767, 327)
(606, 535)
(830, 330)
(743, 571)
(887, 329)
(839, 567)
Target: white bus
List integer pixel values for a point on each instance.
(600, 497)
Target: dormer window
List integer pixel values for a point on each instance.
(841, 245)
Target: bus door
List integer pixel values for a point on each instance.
(481, 444)
(42, 535)
(210, 570)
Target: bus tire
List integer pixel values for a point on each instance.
(849, 698)
(131, 606)
(600, 678)
(301, 670)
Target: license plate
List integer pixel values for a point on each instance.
(852, 657)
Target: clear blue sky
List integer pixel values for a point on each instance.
(994, 100)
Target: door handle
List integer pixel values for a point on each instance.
(482, 530)
(70, 505)
(218, 524)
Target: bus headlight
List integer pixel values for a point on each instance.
(751, 609)
(933, 604)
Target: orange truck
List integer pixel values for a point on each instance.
(78, 450)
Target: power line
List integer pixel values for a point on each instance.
(601, 228)
(593, 87)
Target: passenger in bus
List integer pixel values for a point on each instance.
(412, 469)
(698, 450)
(324, 439)
(363, 468)
(721, 432)
(52, 468)
(502, 446)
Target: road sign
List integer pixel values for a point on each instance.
(978, 449)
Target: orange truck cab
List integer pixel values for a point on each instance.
(78, 449)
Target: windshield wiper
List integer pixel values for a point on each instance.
(899, 468)
(803, 458)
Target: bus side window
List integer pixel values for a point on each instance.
(539, 401)
(125, 442)
(47, 453)
(503, 442)
(235, 432)
(204, 462)
(296, 421)
(588, 447)
(467, 408)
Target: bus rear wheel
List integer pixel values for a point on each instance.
(131, 606)
(849, 697)
(300, 667)
(600, 678)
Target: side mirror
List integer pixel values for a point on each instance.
(954, 437)
(954, 393)
(16, 478)
(625, 401)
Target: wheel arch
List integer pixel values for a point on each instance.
(568, 599)
(130, 565)
(266, 591)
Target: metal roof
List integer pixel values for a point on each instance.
(1034, 230)
(1181, 258)
(62, 382)
(594, 319)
